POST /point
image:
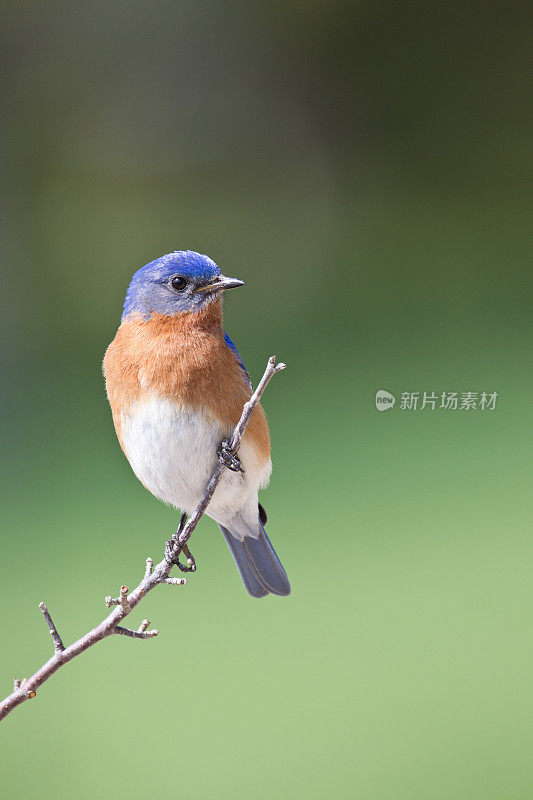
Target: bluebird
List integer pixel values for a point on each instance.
(176, 386)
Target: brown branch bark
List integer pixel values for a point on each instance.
(123, 605)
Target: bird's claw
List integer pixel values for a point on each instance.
(190, 566)
(173, 550)
(169, 551)
(227, 457)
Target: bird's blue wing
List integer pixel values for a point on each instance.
(235, 352)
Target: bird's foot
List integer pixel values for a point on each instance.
(227, 457)
(173, 550)
(190, 566)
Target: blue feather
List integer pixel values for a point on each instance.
(144, 290)
(239, 359)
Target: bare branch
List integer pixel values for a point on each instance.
(136, 634)
(123, 605)
(58, 644)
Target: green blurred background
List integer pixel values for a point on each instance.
(366, 167)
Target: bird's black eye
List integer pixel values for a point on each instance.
(178, 283)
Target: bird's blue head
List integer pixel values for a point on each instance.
(178, 282)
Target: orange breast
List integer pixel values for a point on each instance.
(183, 358)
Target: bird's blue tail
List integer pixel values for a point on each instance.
(260, 568)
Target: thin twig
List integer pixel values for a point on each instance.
(58, 644)
(136, 634)
(123, 605)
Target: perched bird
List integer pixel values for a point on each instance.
(176, 386)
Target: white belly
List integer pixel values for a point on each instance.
(172, 450)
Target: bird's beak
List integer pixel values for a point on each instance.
(220, 284)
